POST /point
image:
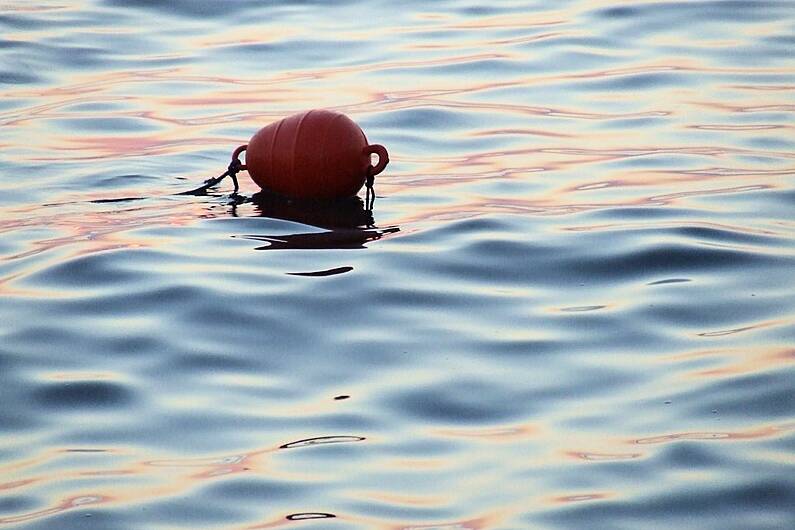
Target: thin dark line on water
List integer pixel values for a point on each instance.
(327, 272)
(309, 515)
(322, 440)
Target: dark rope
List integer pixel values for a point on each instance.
(369, 195)
(234, 167)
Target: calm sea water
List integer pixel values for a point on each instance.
(572, 306)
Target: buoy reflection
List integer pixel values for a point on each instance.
(347, 224)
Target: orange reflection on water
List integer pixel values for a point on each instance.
(738, 361)
(580, 497)
(403, 499)
(154, 478)
(770, 431)
(18, 484)
(742, 329)
(458, 44)
(78, 501)
(601, 457)
(511, 433)
(514, 20)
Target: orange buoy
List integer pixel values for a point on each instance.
(318, 154)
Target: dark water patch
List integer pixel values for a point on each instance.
(617, 214)
(182, 511)
(525, 348)
(211, 362)
(701, 234)
(73, 57)
(14, 420)
(426, 119)
(675, 258)
(255, 489)
(19, 21)
(459, 402)
(163, 298)
(106, 124)
(13, 504)
(640, 81)
(766, 396)
(188, 8)
(748, 503)
(477, 66)
(408, 296)
(690, 455)
(209, 10)
(7, 360)
(50, 345)
(346, 422)
(671, 15)
(401, 512)
(291, 53)
(728, 311)
(83, 518)
(587, 381)
(83, 395)
(92, 271)
(18, 78)
(619, 12)
(632, 123)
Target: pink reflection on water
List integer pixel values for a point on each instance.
(510, 433)
(770, 431)
(581, 497)
(730, 362)
(69, 503)
(601, 457)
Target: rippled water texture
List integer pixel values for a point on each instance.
(571, 307)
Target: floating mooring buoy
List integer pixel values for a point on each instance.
(317, 154)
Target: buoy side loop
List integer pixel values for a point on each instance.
(236, 157)
(372, 171)
(235, 166)
(383, 158)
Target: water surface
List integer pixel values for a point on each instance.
(571, 307)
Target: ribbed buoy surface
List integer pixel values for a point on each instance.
(318, 154)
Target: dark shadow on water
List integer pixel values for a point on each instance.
(342, 213)
(309, 515)
(347, 224)
(326, 272)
